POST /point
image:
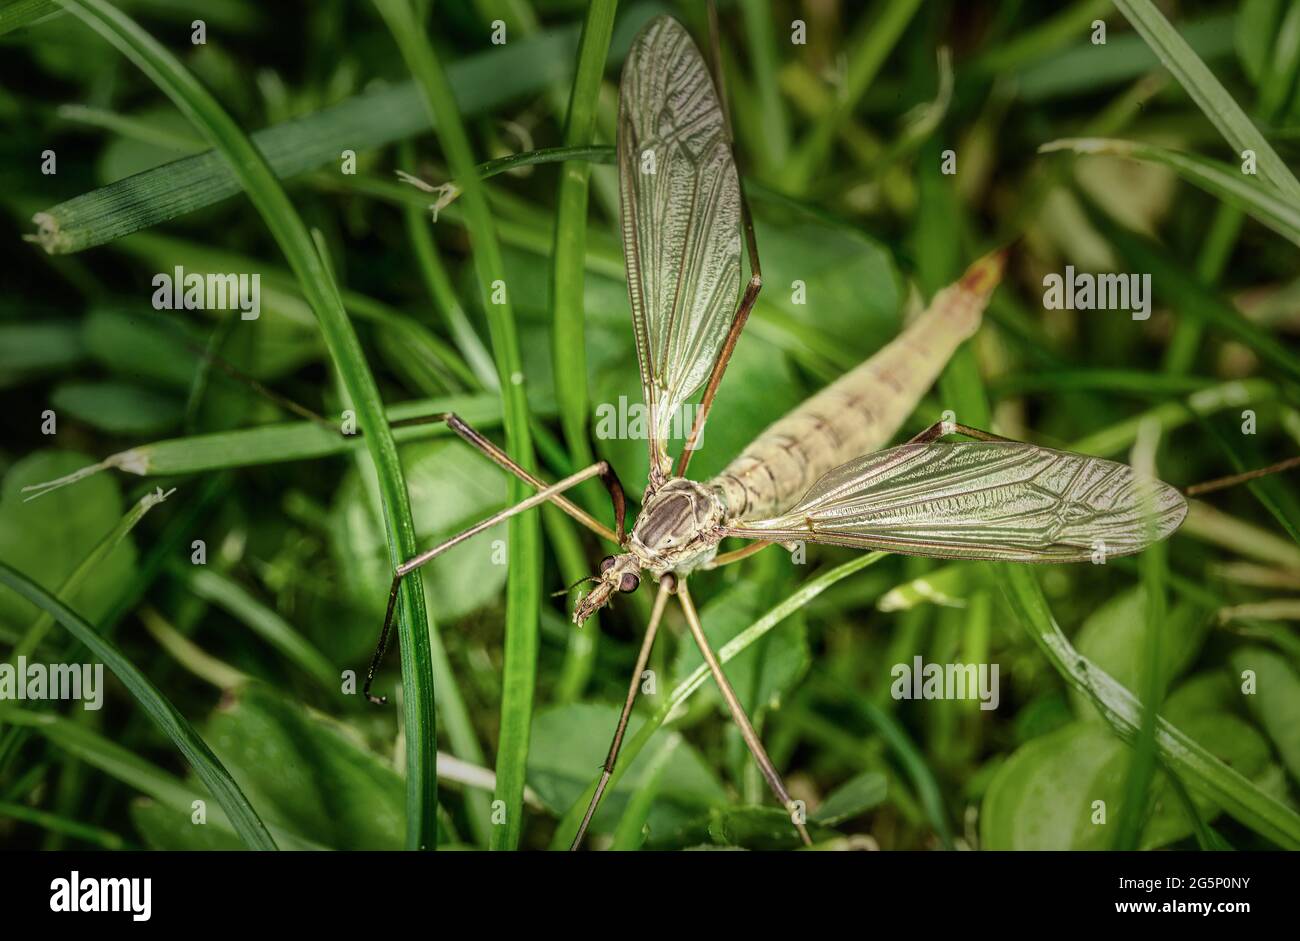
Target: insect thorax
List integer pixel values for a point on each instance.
(678, 527)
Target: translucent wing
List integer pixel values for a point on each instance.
(680, 200)
(980, 500)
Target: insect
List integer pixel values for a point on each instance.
(816, 474)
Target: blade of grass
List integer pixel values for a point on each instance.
(131, 128)
(603, 254)
(631, 827)
(568, 268)
(124, 765)
(96, 836)
(450, 191)
(1272, 493)
(867, 51)
(370, 120)
(225, 593)
(674, 703)
(1175, 414)
(272, 444)
(1151, 563)
(1218, 528)
(280, 288)
(1210, 96)
(1042, 40)
(772, 119)
(1281, 70)
(523, 585)
(258, 180)
(459, 729)
(568, 316)
(1137, 382)
(157, 706)
(175, 532)
(1265, 203)
(896, 736)
(1242, 799)
(20, 13)
(40, 627)
(438, 284)
(190, 655)
(939, 264)
(1186, 294)
(1221, 238)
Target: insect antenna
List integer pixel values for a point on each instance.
(564, 591)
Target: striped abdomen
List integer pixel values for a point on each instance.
(860, 411)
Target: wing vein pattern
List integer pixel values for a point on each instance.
(680, 203)
(980, 500)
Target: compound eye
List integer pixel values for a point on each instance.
(606, 562)
(629, 583)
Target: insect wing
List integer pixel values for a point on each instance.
(981, 500)
(681, 215)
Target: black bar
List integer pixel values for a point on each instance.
(343, 891)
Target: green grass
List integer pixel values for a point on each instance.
(524, 578)
(1121, 157)
(159, 709)
(287, 227)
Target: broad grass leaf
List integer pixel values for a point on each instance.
(851, 288)
(46, 538)
(119, 408)
(303, 772)
(165, 828)
(1276, 701)
(141, 345)
(1042, 796)
(126, 156)
(1113, 638)
(30, 349)
(1257, 26)
(452, 486)
(569, 744)
(855, 796)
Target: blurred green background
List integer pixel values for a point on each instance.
(841, 143)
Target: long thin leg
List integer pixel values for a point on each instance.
(755, 271)
(666, 586)
(726, 558)
(499, 457)
(939, 429)
(458, 425)
(410, 565)
(738, 712)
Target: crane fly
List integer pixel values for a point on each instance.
(816, 474)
